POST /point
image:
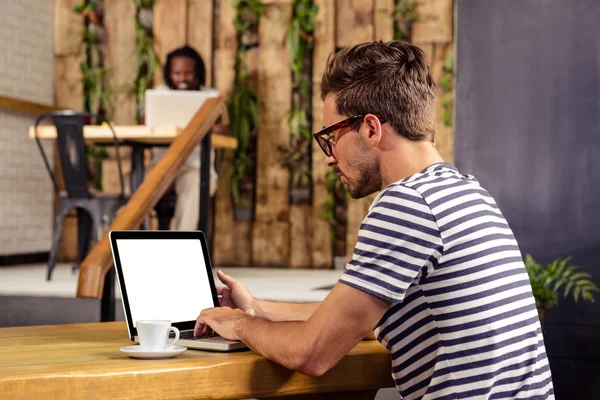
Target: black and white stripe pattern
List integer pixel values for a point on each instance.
(463, 322)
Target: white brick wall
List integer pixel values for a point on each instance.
(26, 72)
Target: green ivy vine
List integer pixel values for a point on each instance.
(299, 45)
(405, 13)
(97, 95)
(147, 61)
(243, 107)
(447, 89)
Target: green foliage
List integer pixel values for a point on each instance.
(547, 281)
(144, 3)
(299, 45)
(244, 117)
(447, 89)
(243, 107)
(405, 12)
(337, 195)
(98, 97)
(147, 61)
(247, 15)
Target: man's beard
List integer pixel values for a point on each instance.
(368, 179)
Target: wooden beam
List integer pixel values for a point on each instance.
(324, 45)
(99, 261)
(435, 22)
(444, 135)
(384, 20)
(354, 26)
(200, 32)
(169, 29)
(227, 232)
(270, 239)
(301, 228)
(120, 62)
(68, 28)
(354, 22)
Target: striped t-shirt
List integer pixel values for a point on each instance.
(463, 322)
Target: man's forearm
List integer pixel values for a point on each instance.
(276, 311)
(286, 343)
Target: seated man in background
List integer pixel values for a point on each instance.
(184, 70)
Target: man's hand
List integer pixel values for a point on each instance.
(235, 295)
(220, 319)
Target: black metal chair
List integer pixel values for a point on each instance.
(94, 212)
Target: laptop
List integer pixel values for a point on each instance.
(167, 275)
(174, 107)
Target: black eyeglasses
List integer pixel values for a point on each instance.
(325, 143)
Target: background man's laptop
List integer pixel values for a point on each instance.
(167, 275)
(174, 107)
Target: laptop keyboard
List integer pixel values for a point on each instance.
(189, 335)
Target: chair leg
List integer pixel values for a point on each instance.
(84, 230)
(58, 225)
(164, 222)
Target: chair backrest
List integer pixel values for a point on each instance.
(71, 149)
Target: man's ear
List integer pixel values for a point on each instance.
(374, 130)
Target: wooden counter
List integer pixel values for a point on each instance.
(84, 361)
(162, 135)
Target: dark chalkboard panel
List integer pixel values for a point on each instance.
(528, 127)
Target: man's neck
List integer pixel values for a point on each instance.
(406, 160)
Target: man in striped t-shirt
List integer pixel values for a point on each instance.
(436, 270)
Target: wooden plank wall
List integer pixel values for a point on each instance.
(323, 46)
(355, 24)
(433, 31)
(169, 29)
(282, 234)
(271, 228)
(232, 244)
(120, 60)
(200, 32)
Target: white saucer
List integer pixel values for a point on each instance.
(138, 352)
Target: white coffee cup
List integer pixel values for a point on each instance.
(153, 334)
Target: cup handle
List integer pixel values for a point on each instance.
(172, 328)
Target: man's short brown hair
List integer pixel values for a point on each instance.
(390, 79)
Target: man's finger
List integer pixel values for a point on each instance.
(226, 279)
(199, 327)
(220, 289)
(227, 300)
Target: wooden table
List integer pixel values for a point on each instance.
(156, 136)
(84, 361)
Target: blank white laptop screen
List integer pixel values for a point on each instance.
(165, 278)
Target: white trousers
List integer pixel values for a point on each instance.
(187, 206)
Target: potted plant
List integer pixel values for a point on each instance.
(549, 282)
